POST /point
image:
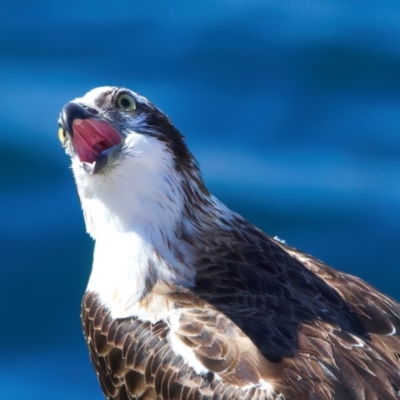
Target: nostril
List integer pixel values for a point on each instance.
(91, 110)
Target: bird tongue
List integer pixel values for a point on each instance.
(91, 137)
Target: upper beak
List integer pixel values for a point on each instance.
(94, 139)
(72, 111)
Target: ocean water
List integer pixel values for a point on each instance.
(291, 108)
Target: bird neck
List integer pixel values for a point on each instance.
(138, 242)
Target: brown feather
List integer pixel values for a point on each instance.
(261, 311)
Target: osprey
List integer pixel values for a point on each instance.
(188, 300)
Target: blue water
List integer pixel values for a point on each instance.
(291, 108)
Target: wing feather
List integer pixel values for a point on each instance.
(267, 322)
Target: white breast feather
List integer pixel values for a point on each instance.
(130, 213)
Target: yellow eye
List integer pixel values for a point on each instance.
(61, 135)
(126, 102)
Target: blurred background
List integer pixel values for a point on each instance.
(290, 106)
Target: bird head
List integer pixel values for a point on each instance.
(126, 156)
(99, 129)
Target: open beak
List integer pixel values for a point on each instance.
(94, 139)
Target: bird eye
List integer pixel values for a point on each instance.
(61, 135)
(126, 102)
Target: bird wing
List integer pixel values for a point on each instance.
(133, 359)
(262, 312)
(263, 322)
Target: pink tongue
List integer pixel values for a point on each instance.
(91, 137)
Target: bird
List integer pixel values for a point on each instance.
(187, 299)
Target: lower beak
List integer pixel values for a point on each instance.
(103, 160)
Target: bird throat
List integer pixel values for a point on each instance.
(130, 258)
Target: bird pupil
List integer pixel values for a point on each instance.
(125, 102)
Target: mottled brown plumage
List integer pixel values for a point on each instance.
(259, 310)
